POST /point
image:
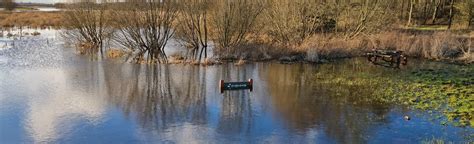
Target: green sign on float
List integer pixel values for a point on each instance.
(223, 86)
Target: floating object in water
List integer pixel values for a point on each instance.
(35, 33)
(391, 56)
(223, 86)
(406, 117)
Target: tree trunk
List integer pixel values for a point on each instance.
(205, 35)
(402, 14)
(412, 3)
(469, 24)
(433, 18)
(451, 14)
(425, 12)
(470, 19)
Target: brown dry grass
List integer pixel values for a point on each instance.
(176, 59)
(86, 48)
(208, 62)
(31, 19)
(115, 53)
(205, 62)
(329, 47)
(240, 62)
(436, 45)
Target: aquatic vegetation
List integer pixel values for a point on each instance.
(450, 92)
(435, 141)
(446, 93)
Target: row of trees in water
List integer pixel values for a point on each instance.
(145, 26)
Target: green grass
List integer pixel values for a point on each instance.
(447, 94)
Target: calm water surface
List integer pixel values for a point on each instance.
(48, 94)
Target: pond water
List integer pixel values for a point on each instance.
(48, 9)
(41, 9)
(48, 94)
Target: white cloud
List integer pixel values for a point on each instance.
(53, 111)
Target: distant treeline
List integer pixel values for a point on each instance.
(145, 26)
(11, 4)
(8, 4)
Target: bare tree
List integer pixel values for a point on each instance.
(87, 25)
(369, 17)
(293, 21)
(233, 21)
(193, 28)
(145, 26)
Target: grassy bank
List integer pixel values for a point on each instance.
(437, 45)
(434, 45)
(30, 19)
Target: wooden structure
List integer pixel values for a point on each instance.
(394, 57)
(223, 86)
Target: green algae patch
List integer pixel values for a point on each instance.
(449, 91)
(446, 93)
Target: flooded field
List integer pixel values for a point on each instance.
(49, 94)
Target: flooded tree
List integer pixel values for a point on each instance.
(86, 24)
(193, 27)
(144, 27)
(242, 29)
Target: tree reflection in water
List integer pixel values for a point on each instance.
(291, 103)
(163, 96)
(236, 110)
(157, 98)
(305, 102)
